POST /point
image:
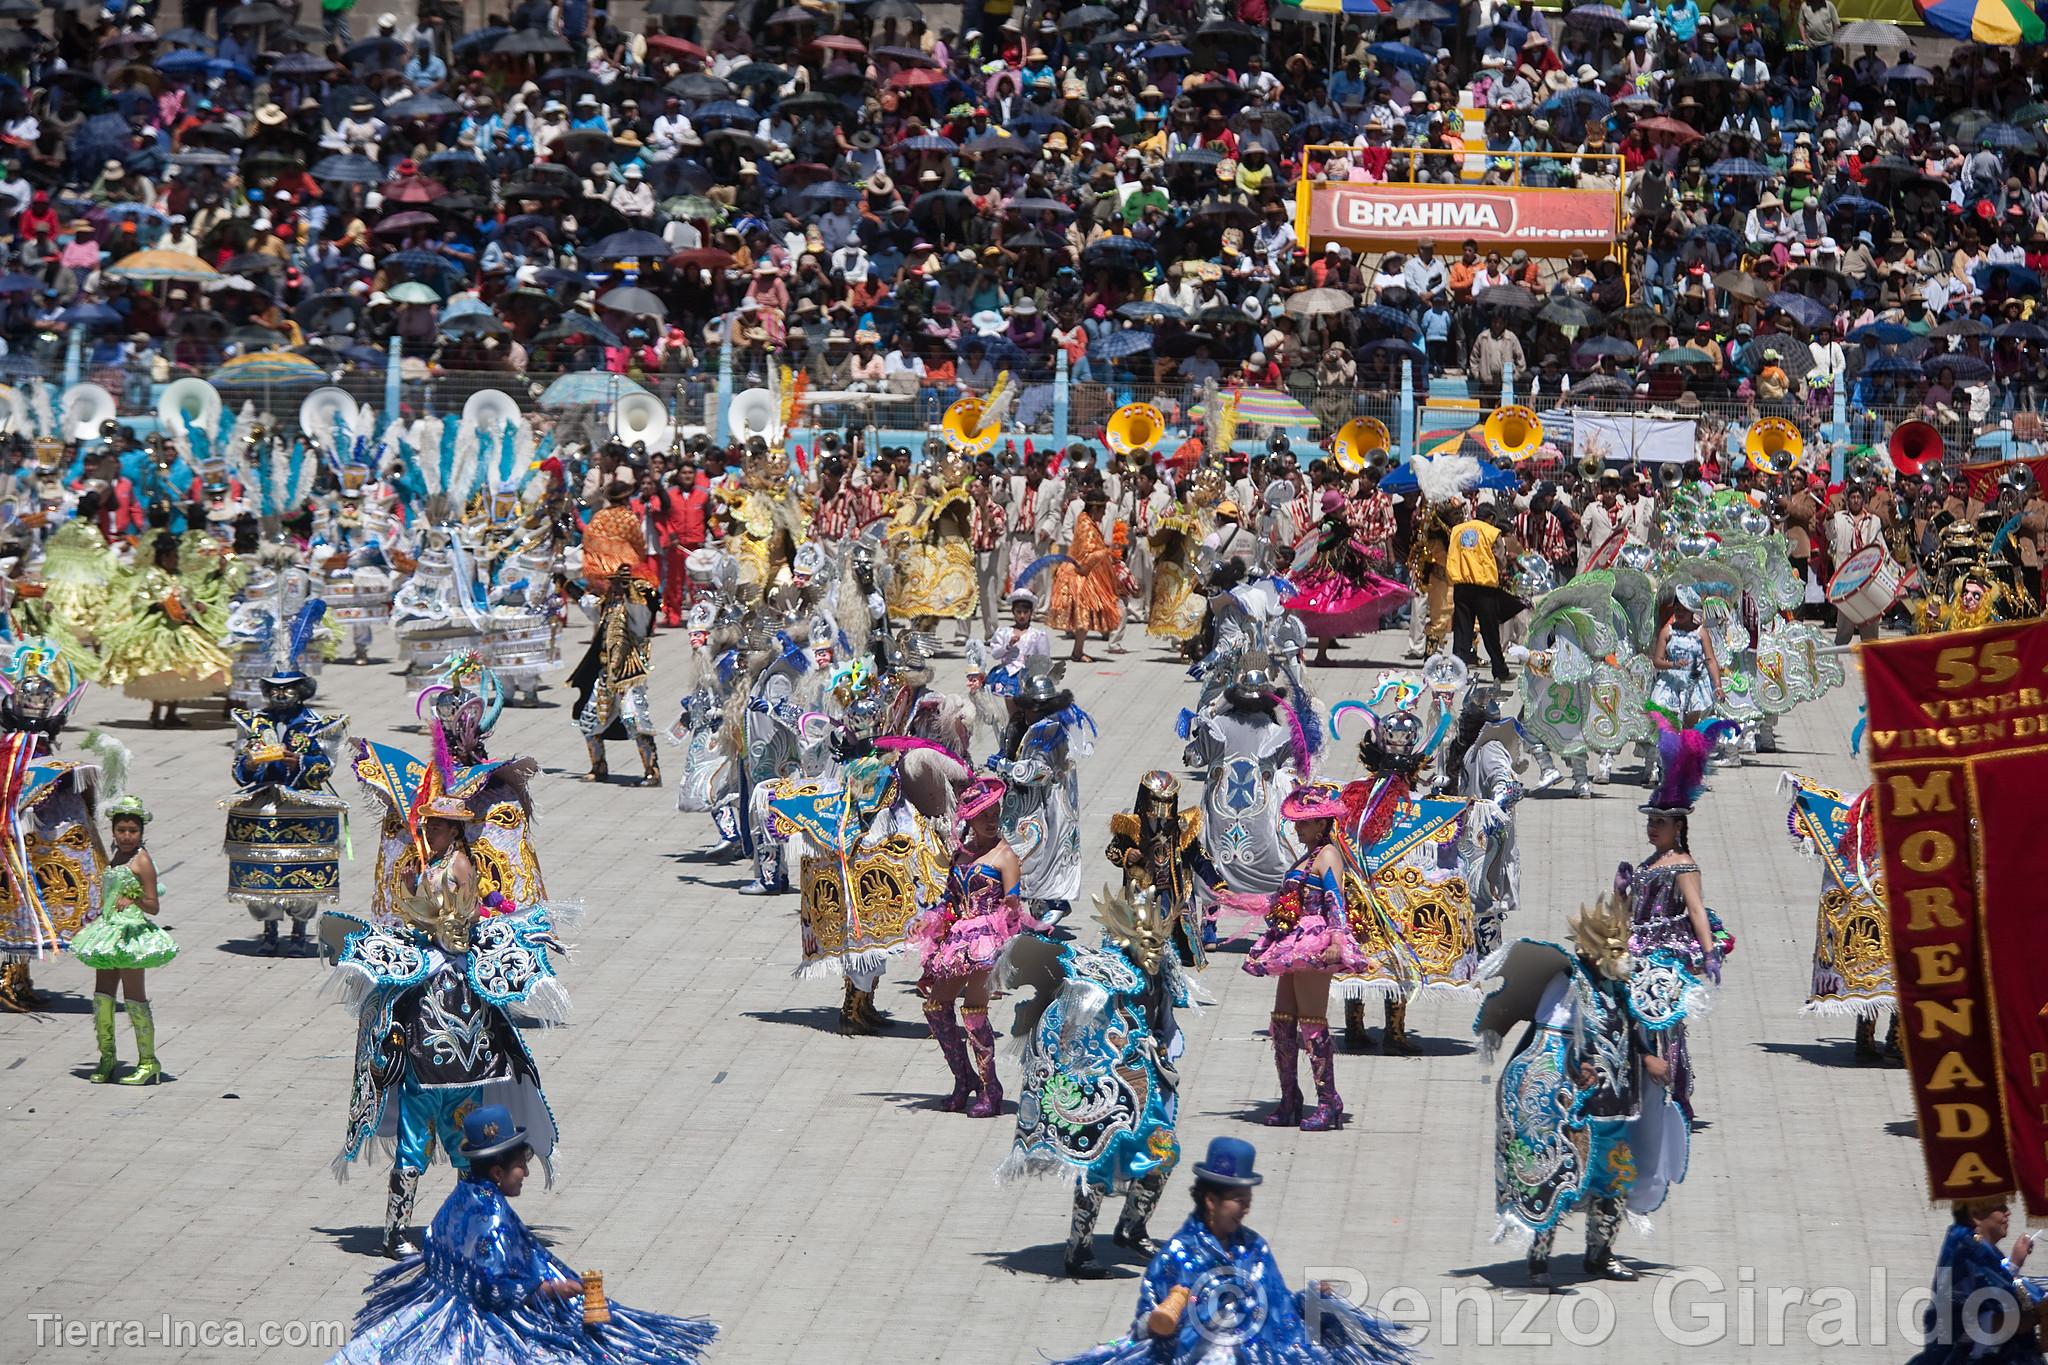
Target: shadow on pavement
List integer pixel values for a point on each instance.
(1050, 1259)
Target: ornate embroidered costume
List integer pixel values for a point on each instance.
(1158, 847)
(434, 996)
(1224, 1301)
(611, 680)
(49, 837)
(284, 828)
(1041, 812)
(1100, 1099)
(1249, 754)
(1614, 1146)
(1852, 939)
(470, 1297)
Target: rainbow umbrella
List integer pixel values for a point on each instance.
(1999, 23)
(1272, 408)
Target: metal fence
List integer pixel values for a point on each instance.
(1421, 419)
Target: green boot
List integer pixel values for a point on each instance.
(144, 1023)
(103, 1034)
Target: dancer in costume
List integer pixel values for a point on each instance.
(1583, 1115)
(1416, 925)
(1665, 899)
(465, 707)
(121, 944)
(873, 842)
(434, 996)
(81, 578)
(1981, 1311)
(284, 829)
(1214, 1295)
(1043, 744)
(960, 939)
(54, 860)
(1584, 682)
(1158, 846)
(933, 535)
(1688, 685)
(1087, 591)
(1101, 1092)
(1479, 769)
(1249, 752)
(611, 681)
(766, 735)
(1309, 938)
(1177, 602)
(1336, 595)
(484, 1291)
(709, 781)
(1852, 940)
(159, 648)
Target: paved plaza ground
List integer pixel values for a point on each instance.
(725, 1153)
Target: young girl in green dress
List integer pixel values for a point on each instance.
(122, 943)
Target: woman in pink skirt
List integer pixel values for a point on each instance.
(961, 938)
(1309, 938)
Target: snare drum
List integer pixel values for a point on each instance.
(1866, 585)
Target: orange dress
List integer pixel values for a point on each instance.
(1085, 596)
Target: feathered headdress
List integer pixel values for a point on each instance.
(1682, 763)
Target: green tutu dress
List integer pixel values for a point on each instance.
(123, 938)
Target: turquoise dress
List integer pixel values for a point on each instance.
(123, 938)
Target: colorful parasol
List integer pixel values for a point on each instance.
(1270, 407)
(1998, 23)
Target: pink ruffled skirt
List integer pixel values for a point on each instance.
(1312, 945)
(953, 948)
(1333, 607)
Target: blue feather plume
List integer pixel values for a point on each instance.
(1036, 567)
(303, 626)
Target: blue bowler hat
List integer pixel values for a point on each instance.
(489, 1131)
(1229, 1162)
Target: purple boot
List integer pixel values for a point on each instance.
(1322, 1067)
(953, 1046)
(1285, 1040)
(981, 1042)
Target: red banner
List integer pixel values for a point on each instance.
(1543, 222)
(1983, 478)
(1958, 731)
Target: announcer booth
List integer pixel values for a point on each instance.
(1393, 216)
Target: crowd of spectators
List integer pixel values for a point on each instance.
(911, 207)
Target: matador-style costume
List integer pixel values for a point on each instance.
(611, 682)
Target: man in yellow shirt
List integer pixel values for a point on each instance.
(1477, 599)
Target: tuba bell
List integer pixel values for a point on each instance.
(188, 402)
(86, 409)
(1358, 441)
(964, 429)
(639, 419)
(1670, 475)
(1773, 445)
(1914, 445)
(1512, 432)
(1134, 429)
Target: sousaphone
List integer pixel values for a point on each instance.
(1512, 432)
(1357, 441)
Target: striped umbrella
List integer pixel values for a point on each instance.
(263, 368)
(1270, 407)
(162, 265)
